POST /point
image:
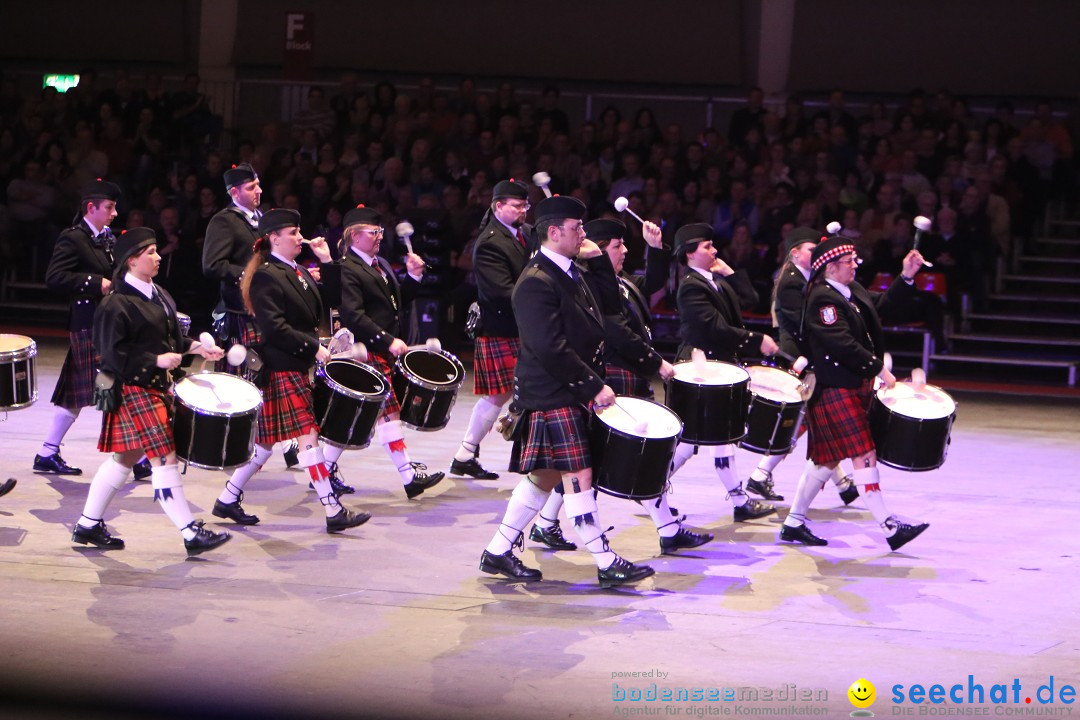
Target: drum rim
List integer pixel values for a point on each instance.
(447, 386)
(682, 425)
(742, 369)
(24, 353)
(334, 385)
(21, 406)
(956, 405)
(217, 413)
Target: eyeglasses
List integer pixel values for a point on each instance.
(576, 227)
(521, 207)
(375, 232)
(850, 260)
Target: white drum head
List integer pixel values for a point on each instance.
(641, 418)
(218, 393)
(14, 343)
(773, 384)
(925, 403)
(713, 372)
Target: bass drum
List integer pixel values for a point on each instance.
(712, 401)
(776, 411)
(426, 384)
(348, 400)
(216, 417)
(632, 445)
(18, 372)
(912, 426)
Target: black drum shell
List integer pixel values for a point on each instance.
(711, 414)
(347, 419)
(908, 443)
(772, 427)
(629, 466)
(214, 442)
(18, 378)
(426, 398)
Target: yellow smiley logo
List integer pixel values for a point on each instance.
(862, 693)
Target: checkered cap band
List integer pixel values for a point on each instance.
(837, 252)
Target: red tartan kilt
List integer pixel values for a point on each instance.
(552, 440)
(494, 360)
(144, 421)
(624, 382)
(75, 386)
(839, 425)
(286, 411)
(384, 364)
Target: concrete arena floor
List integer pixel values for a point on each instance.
(394, 619)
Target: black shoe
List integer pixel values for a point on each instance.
(683, 539)
(849, 495)
(763, 488)
(291, 453)
(233, 511)
(800, 534)
(472, 468)
(552, 537)
(508, 565)
(421, 481)
(904, 534)
(142, 470)
(96, 535)
(7, 486)
(753, 509)
(336, 483)
(54, 464)
(622, 572)
(204, 539)
(345, 519)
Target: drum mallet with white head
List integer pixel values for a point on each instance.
(623, 205)
(542, 180)
(922, 224)
(432, 345)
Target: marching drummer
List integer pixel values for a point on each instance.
(81, 267)
(372, 301)
(556, 377)
(284, 299)
(629, 359)
(846, 345)
(230, 236)
(787, 305)
(138, 336)
(709, 297)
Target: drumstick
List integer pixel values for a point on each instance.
(405, 232)
(432, 344)
(918, 378)
(542, 180)
(922, 224)
(623, 205)
(357, 351)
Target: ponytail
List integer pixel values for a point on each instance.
(260, 254)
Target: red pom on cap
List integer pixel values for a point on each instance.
(360, 205)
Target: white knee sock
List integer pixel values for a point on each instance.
(313, 461)
(169, 493)
(236, 482)
(331, 453)
(393, 439)
(811, 481)
(484, 414)
(581, 511)
(765, 467)
(524, 503)
(660, 513)
(549, 514)
(870, 490)
(683, 452)
(724, 462)
(108, 479)
(63, 419)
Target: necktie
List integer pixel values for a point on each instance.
(107, 240)
(301, 278)
(521, 237)
(386, 281)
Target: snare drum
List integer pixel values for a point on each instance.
(776, 411)
(911, 426)
(215, 420)
(184, 320)
(18, 372)
(632, 445)
(348, 400)
(713, 404)
(426, 385)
